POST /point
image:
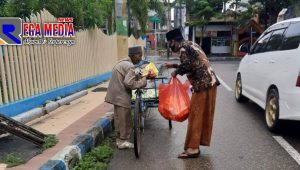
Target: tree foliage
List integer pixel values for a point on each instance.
(160, 9)
(243, 12)
(201, 11)
(66, 8)
(271, 8)
(86, 13)
(139, 11)
(268, 10)
(2, 9)
(19, 8)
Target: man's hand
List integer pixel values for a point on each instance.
(173, 74)
(166, 65)
(151, 74)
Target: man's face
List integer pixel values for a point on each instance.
(136, 58)
(174, 45)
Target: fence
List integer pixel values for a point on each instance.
(29, 70)
(132, 41)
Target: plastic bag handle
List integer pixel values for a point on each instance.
(173, 80)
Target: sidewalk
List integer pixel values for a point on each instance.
(67, 122)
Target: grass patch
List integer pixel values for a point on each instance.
(13, 159)
(50, 141)
(99, 157)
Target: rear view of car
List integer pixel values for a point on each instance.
(270, 74)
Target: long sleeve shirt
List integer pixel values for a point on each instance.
(122, 82)
(195, 64)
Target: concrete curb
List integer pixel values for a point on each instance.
(71, 154)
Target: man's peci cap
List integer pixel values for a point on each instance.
(135, 50)
(175, 34)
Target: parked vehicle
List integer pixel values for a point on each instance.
(269, 74)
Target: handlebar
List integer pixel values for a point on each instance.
(158, 78)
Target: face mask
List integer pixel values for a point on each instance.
(173, 48)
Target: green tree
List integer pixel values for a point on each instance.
(86, 13)
(271, 8)
(92, 15)
(160, 9)
(20, 8)
(66, 8)
(139, 10)
(2, 7)
(201, 11)
(107, 10)
(243, 16)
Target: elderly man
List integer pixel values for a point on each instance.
(119, 91)
(204, 82)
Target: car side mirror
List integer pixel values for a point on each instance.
(244, 49)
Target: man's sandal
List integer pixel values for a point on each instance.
(185, 155)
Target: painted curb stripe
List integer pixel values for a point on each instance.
(106, 125)
(53, 165)
(80, 146)
(97, 134)
(84, 142)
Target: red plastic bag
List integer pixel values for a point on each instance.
(174, 102)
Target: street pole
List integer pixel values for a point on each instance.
(129, 17)
(169, 15)
(155, 37)
(251, 37)
(180, 14)
(168, 27)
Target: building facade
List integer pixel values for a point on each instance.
(216, 38)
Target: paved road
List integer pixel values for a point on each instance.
(240, 139)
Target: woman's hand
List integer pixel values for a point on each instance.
(173, 74)
(166, 65)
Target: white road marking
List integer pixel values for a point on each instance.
(224, 84)
(294, 154)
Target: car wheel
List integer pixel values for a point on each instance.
(272, 110)
(238, 90)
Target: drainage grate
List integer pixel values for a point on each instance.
(100, 89)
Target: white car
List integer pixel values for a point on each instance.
(269, 74)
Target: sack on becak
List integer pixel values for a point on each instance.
(174, 102)
(150, 67)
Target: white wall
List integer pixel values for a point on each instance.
(216, 28)
(220, 49)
